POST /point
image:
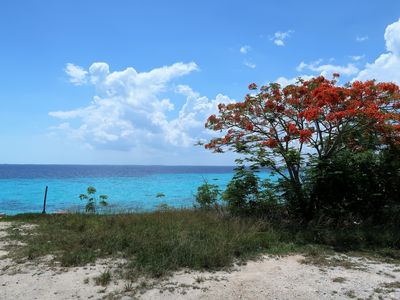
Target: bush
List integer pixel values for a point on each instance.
(247, 195)
(207, 195)
(356, 187)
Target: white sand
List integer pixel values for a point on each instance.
(269, 278)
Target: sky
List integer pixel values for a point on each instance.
(132, 82)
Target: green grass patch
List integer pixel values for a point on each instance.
(154, 243)
(157, 243)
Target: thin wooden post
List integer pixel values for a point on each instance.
(44, 201)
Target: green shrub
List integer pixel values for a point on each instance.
(354, 187)
(207, 195)
(247, 195)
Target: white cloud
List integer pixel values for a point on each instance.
(129, 111)
(357, 57)
(328, 69)
(249, 64)
(283, 81)
(77, 75)
(392, 38)
(280, 37)
(386, 67)
(245, 49)
(362, 38)
(188, 127)
(303, 65)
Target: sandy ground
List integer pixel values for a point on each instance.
(269, 278)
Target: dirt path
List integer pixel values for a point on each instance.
(269, 278)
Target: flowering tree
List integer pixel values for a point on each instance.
(283, 128)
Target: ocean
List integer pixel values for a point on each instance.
(129, 188)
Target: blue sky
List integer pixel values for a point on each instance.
(131, 82)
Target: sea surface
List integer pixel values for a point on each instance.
(129, 188)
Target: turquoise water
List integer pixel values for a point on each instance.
(128, 187)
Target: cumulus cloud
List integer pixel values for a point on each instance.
(386, 67)
(392, 37)
(327, 69)
(245, 49)
(129, 109)
(280, 37)
(77, 75)
(188, 127)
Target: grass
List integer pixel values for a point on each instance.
(153, 243)
(103, 279)
(157, 243)
(328, 261)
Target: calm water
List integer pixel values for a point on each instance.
(128, 187)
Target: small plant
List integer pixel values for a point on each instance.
(200, 279)
(129, 287)
(104, 279)
(207, 195)
(91, 200)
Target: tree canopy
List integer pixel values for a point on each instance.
(281, 128)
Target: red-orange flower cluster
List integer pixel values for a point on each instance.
(316, 112)
(252, 86)
(271, 143)
(305, 135)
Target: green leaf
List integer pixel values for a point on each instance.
(91, 190)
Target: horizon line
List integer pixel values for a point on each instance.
(137, 165)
